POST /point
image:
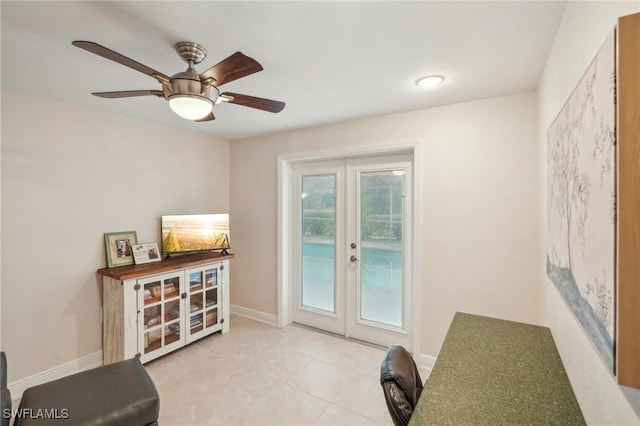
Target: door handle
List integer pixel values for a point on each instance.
(353, 258)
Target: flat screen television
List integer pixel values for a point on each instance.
(195, 232)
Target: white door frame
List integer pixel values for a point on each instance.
(285, 230)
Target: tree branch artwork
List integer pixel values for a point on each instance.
(581, 201)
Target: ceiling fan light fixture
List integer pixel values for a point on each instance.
(430, 81)
(190, 107)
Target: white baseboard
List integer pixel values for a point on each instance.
(87, 362)
(255, 315)
(426, 361)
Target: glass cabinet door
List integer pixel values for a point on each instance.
(161, 302)
(203, 296)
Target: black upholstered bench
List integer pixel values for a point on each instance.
(116, 394)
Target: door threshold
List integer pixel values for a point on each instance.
(340, 336)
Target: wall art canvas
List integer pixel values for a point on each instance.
(581, 201)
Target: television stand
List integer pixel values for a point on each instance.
(155, 308)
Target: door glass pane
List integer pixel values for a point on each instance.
(152, 316)
(318, 242)
(172, 310)
(171, 288)
(152, 340)
(195, 302)
(211, 298)
(195, 281)
(171, 333)
(211, 317)
(381, 233)
(211, 277)
(195, 323)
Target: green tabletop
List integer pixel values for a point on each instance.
(497, 372)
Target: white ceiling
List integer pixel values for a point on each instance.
(329, 61)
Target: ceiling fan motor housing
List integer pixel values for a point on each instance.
(188, 83)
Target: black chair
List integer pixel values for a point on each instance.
(5, 393)
(117, 394)
(401, 384)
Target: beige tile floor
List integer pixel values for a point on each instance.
(262, 375)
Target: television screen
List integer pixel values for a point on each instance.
(195, 232)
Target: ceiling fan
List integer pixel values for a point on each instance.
(191, 95)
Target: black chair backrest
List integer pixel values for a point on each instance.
(401, 384)
(5, 393)
(3, 370)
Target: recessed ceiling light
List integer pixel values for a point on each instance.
(430, 81)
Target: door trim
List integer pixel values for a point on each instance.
(285, 230)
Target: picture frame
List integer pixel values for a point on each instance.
(119, 248)
(146, 253)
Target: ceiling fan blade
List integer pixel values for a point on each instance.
(116, 57)
(206, 118)
(129, 94)
(253, 102)
(232, 68)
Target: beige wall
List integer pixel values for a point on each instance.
(479, 239)
(70, 174)
(583, 30)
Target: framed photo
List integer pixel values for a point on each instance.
(146, 253)
(119, 247)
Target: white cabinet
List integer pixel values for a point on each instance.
(152, 309)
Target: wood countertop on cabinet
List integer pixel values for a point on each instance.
(165, 265)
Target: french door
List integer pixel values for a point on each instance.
(352, 246)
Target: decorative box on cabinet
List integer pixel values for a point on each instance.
(152, 309)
